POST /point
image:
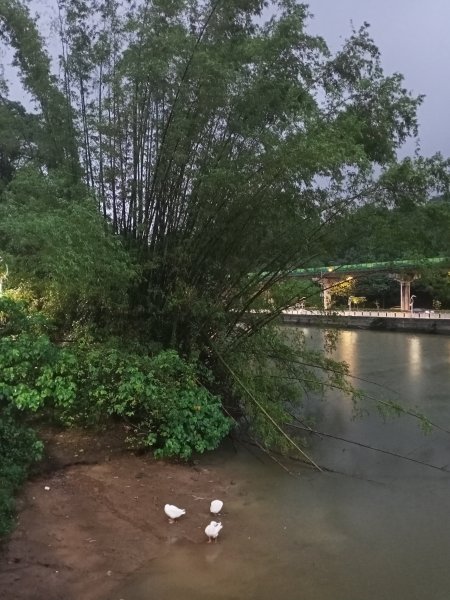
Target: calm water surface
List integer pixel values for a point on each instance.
(378, 529)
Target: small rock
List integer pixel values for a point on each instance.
(46, 488)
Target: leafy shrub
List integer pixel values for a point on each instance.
(61, 248)
(181, 415)
(159, 396)
(32, 365)
(19, 448)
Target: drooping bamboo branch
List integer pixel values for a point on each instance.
(264, 411)
(368, 447)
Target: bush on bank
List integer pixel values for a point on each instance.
(161, 397)
(19, 449)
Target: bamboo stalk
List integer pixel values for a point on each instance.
(264, 411)
(374, 448)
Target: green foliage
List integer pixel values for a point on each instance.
(25, 352)
(32, 373)
(17, 138)
(59, 247)
(380, 290)
(187, 416)
(294, 292)
(412, 182)
(388, 409)
(16, 318)
(279, 370)
(219, 147)
(19, 448)
(344, 288)
(160, 397)
(409, 218)
(55, 137)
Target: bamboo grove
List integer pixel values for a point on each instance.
(200, 149)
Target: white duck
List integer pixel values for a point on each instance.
(212, 530)
(216, 507)
(173, 512)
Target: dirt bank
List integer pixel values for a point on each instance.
(93, 514)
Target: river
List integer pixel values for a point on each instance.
(377, 528)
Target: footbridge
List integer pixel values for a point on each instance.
(403, 271)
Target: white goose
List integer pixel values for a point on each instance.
(212, 530)
(173, 512)
(216, 507)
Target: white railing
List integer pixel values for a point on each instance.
(378, 313)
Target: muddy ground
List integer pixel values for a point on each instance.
(93, 514)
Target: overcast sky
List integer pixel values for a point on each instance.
(413, 37)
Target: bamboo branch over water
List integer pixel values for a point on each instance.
(389, 452)
(264, 411)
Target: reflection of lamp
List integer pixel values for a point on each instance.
(415, 361)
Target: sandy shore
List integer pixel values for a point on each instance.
(93, 515)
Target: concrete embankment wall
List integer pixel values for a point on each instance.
(424, 325)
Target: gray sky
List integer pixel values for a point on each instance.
(413, 37)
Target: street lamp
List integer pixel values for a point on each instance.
(411, 302)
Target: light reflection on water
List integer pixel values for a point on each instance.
(379, 531)
(415, 357)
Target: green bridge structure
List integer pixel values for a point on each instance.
(403, 271)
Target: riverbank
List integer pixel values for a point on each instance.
(378, 320)
(93, 514)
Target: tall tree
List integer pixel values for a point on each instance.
(58, 140)
(18, 135)
(221, 145)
